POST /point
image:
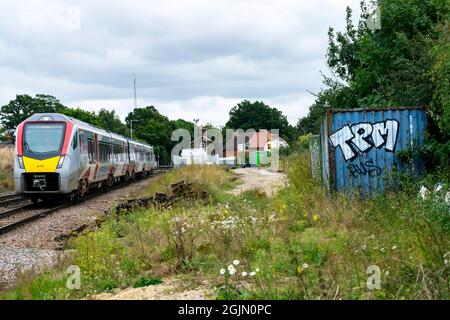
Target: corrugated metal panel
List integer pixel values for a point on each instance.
(314, 148)
(359, 146)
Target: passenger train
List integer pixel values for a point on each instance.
(57, 155)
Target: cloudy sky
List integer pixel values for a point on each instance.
(192, 58)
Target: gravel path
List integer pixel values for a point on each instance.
(257, 178)
(33, 246)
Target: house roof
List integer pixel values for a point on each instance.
(257, 140)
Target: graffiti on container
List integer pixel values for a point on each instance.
(364, 168)
(360, 138)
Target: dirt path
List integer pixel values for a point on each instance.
(262, 179)
(171, 289)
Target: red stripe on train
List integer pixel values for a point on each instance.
(69, 127)
(19, 139)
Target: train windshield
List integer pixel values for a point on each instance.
(44, 138)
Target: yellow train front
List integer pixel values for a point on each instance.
(57, 155)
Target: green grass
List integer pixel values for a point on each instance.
(301, 244)
(145, 282)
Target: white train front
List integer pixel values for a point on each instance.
(59, 155)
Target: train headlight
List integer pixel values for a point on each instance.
(61, 162)
(21, 165)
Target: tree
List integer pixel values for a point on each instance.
(109, 120)
(440, 75)
(257, 115)
(183, 124)
(405, 62)
(24, 106)
(82, 115)
(154, 128)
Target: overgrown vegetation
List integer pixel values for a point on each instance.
(6, 168)
(404, 61)
(300, 244)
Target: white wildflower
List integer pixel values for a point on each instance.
(305, 265)
(423, 192)
(252, 274)
(222, 271)
(394, 247)
(447, 198)
(231, 269)
(386, 273)
(236, 262)
(438, 187)
(244, 274)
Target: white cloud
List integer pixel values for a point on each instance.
(193, 59)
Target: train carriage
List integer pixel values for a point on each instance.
(142, 159)
(59, 155)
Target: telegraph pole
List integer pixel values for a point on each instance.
(135, 95)
(135, 104)
(131, 126)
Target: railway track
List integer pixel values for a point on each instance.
(7, 199)
(15, 217)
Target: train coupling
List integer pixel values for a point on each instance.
(40, 182)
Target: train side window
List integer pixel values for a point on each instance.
(102, 152)
(118, 153)
(91, 151)
(105, 152)
(75, 141)
(132, 153)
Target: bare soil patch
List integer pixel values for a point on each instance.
(260, 179)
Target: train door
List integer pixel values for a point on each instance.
(75, 153)
(83, 145)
